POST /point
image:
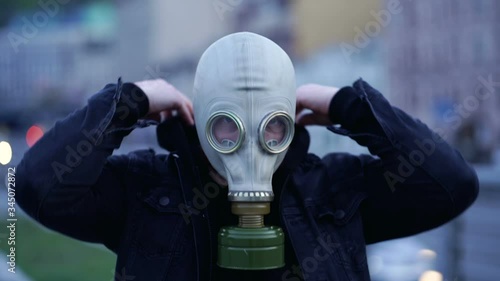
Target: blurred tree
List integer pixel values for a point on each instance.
(10, 8)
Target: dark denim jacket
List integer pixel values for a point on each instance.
(159, 212)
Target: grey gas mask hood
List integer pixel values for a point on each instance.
(244, 109)
(244, 106)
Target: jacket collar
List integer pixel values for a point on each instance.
(174, 136)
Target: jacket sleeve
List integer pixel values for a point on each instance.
(416, 181)
(68, 180)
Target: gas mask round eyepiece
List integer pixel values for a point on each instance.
(225, 132)
(276, 132)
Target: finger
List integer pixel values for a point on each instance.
(298, 109)
(302, 104)
(297, 115)
(302, 112)
(189, 103)
(306, 119)
(302, 99)
(190, 106)
(186, 114)
(299, 105)
(182, 95)
(165, 115)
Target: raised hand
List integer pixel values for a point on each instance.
(315, 98)
(165, 100)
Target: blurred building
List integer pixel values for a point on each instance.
(165, 39)
(52, 72)
(439, 55)
(328, 21)
(171, 35)
(157, 37)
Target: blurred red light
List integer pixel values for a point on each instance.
(33, 135)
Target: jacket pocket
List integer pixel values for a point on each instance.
(338, 216)
(160, 224)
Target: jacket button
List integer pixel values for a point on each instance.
(339, 214)
(164, 201)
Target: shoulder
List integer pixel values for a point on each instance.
(143, 162)
(333, 172)
(336, 178)
(333, 165)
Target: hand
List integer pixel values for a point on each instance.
(165, 101)
(317, 99)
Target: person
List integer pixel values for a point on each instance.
(160, 212)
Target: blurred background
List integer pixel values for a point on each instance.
(437, 60)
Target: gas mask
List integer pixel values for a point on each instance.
(244, 107)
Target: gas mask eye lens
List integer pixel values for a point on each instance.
(276, 132)
(225, 132)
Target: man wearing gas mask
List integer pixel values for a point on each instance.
(238, 196)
